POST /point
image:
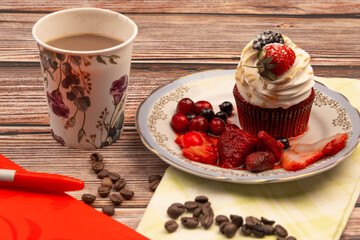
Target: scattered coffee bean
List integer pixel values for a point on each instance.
(88, 198)
(201, 199)
(106, 182)
(153, 185)
(191, 205)
(114, 176)
(267, 221)
(197, 212)
(102, 174)
(268, 229)
(119, 184)
(257, 233)
(245, 230)
(280, 238)
(127, 194)
(206, 209)
(108, 210)
(290, 238)
(116, 198)
(280, 231)
(228, 229)
(237, 220)
(97, 166)
(154, 177)
(252, 221)
(96, 157)
(103, 191)
(171, 226)
(222, 226)
(221, 218)
(190, 222)
(175, 210)
(206, 221)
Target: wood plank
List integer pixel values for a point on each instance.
(183, 6)
(215, 37)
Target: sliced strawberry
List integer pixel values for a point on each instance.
(292, 161)
(267, 143)
(319, 145)
(193, 138)
(203, 154)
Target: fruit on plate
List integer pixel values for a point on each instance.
(267, 143)
(302, 155)
(260, 161)
(234, 145)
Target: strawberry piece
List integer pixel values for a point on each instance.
(193, 138)
(203, 154)
(267, 143)
(234, 145)
(283, 57)
(259, 161)
(302, 155)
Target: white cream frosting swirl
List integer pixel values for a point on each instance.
(288, 89)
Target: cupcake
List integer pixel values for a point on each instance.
(274, 86)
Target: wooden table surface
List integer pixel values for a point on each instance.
(176, 38)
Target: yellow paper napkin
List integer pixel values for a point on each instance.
(317, 207)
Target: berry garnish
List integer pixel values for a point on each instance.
(192, 139)
(260, 161)
(208, 113)
(186, 106)
(198, 123)
(226, 107)
(179, 122)
(216, 126)
(284, 141)
(265, 38)
(223, 116)
(190, 116)
(200, 105)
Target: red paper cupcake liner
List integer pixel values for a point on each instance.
(277, 122)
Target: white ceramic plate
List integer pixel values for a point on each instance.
(331, 114)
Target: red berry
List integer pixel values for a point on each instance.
(217, 126)
(179, 122)
(283, 57)
(191, 139)
(199, 123)
(259, 161)
(200, 105)
(186, 106)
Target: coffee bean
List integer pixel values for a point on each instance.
(237, 220)
(119, 184)
(206, 221)
(201, 199)
(222, 226)
(127, 194)
(290, 238)
(257, 233)
(106, 182)
(103, 191)
(102, 174)
(190, 222)
(228, 229)
(108, 210)
(267, 221)
(221, 218)
(252, 221)
(114, 176)
(175, 210)
(171, 226)
(153, 185)
(206, 209)
(191, 205)
(268, 229)
(280, 238)
(280, 231)
(96, 157)
(245, 230)
(154, 177)
(88, 198)
(116, 198)
(197, 212)
(97, 166)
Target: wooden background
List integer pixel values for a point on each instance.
(175, 38)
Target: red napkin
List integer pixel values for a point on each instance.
(31, 215)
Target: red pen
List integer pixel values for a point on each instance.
(35, 181)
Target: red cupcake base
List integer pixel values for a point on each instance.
(277, 122)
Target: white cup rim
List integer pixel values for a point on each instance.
(93, 52)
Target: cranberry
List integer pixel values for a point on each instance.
(186, 106)
(208, 113)
(200, 105)
(192, 139)
(217, 126)
(199, 123)
(179, 122)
